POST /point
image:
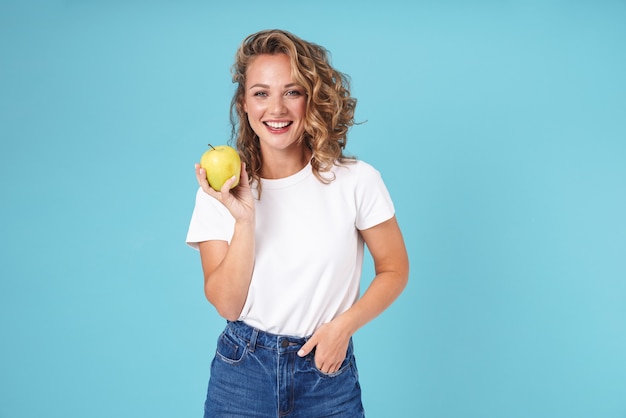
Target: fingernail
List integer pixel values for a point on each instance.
(301, 353)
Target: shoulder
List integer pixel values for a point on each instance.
(357, 169)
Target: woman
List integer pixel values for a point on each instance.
(282, 252)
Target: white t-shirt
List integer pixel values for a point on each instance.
(309, 252)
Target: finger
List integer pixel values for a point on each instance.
(332, 368)
(228, 184)
(307, 347)
(200, 175)
(204, 183)
(326, 368)
(198, 172)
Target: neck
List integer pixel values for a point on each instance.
(281, 165)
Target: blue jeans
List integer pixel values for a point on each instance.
(257, 374)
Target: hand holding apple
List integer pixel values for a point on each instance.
(221, 163)
(225, 160)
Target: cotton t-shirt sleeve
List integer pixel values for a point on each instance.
(374, 204)
(210, 220)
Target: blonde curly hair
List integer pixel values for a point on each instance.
(329, 108)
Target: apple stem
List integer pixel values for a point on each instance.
(211, 146)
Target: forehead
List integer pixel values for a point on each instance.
(269, 67)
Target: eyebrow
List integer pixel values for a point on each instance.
(265, 86)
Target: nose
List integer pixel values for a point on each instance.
(277, 106)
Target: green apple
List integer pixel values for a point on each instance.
(221, 163)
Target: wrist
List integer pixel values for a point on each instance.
(245, 228)
(347, 323)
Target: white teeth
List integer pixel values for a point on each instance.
(277, 125)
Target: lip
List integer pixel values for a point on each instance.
(284, 125)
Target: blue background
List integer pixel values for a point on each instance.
(499, 128)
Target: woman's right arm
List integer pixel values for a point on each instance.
(228, 268)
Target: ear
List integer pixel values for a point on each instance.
(245, 106)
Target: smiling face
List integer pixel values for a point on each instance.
(275, 104)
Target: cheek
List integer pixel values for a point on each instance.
(252, 109)
(300, 110)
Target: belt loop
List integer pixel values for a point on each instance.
(252, 343)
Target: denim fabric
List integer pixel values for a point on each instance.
(257, 374)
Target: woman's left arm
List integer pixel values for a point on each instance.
(391, 264)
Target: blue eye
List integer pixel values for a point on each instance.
(260, 94)
(294, 93)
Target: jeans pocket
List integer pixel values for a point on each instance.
(345, 365)
(230, 349)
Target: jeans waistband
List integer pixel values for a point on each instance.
(256, 338)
